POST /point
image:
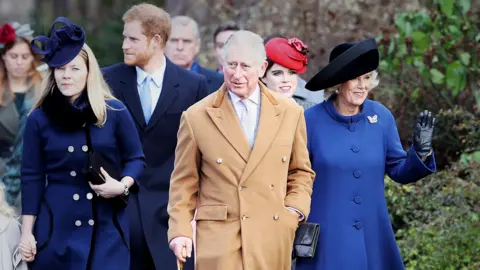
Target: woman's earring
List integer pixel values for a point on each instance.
(336, 91)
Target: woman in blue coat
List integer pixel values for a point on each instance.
(353, 142)
(69, 223)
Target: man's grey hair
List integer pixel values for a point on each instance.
(186, 21)
(246, 39)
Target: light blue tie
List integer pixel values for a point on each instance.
(146, 98)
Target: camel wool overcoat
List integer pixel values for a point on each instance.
(242, 193)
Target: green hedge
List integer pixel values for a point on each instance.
(436, 220)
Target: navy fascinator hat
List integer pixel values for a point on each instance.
(63, 45)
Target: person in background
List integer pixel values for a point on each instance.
(353, 142)
(156, 92)
(20, 85)
(183, 47)
(10, 257)
(220, 36)
(301, 93)
(66, 226)
(286, 59)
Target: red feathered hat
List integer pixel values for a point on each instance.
(290, 53)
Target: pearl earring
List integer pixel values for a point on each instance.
(336, 91)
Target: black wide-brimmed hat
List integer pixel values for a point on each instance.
(347, 61)
(63, 45)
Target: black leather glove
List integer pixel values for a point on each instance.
(422, 136)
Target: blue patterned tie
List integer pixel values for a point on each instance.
(146, 99)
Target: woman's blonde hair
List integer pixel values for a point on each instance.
(5, 208)
(374, 83)
(97, 89)
(34, 76)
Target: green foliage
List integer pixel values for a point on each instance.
(436, 220)
(457, 134)
(107, 42)
(430, 60)
(438, 46)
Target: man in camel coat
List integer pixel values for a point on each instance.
(242, 154)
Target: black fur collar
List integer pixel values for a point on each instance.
(65, 115)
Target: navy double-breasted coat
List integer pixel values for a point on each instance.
(350, 155)
(56, 192)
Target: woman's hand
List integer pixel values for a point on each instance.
(422, 136)
(28, 246)
(111, 188)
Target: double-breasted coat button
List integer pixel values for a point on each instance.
(352, 127)
(284, 159)
(73, 173)
(78, 223)
(76, 197)
(357, 174)
(275, 217)
(71, 149)
(358, 225)
(84, 148)
(355, 149)
(358, 200)
(89, 196)
(91, 222)
(219, 161)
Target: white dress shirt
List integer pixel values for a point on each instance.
(155, 84)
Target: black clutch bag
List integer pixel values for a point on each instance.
(92, 171)
(306, 238)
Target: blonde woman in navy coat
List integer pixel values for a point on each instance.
(68, 223)
(353, 142)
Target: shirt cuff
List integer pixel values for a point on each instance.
(300, 214)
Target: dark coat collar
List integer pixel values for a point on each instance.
(67, 116)
(132, 98)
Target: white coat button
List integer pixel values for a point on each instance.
(284, 159)
(244, 217)
(219, 161)
(275, 217)
(89, 196)
(76, 197)
(73, 173)
(78, 223)
(70, 149)
(271, 187)
(84, 148)
(91, 222)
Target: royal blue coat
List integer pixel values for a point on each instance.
(56, 192)
(350, 156)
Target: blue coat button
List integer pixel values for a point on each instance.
(355, 149)
(358, 225)
(357, 174)
(352, 127)
(358, 200)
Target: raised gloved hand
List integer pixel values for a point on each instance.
(423, 133)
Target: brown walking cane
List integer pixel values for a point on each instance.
(180, 263)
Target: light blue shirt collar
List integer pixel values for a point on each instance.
(157, 75)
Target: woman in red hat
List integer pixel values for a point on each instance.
(20, 85)
(286, 59)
